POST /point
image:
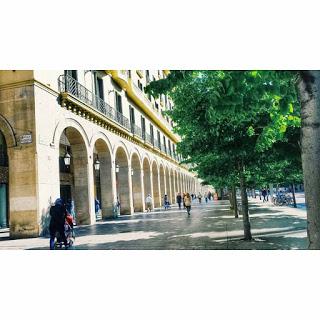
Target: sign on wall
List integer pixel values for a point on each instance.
(26, 138)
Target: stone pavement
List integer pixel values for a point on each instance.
(210, 226)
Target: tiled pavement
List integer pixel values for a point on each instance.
(210, 226)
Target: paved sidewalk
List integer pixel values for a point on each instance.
(211, 226)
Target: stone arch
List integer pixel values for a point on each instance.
(162, 190)
(103, 191)
(74, 178)
(156, 184)
(137, 188)
(72, 123)
(4, 182)
(172, 185)
(8, 132)
(122, 179)
(167, 181)
(147, 181)
(102, 136)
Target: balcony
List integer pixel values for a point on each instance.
(69, 85)
(136, 130)
(148, 138)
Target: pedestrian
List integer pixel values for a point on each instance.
(149, 203)
(179, 199)
(97, 209)
(206, 197)
(71, 211)
(187, 201)
(184, 205)
(58, 214)
(199, 197)
(209, 196)
(264, 194)
(165, 202)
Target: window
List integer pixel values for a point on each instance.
(159, 140)
(118, 102)
(99, 88)
(143, 127)
(132, 118)
(156, 105)
(169, 145)
(129, 73)
(147, 76)
(151, 134)
(3, 151)
(164, 143)
(140, 85)
(72, 73)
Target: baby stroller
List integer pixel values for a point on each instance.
(69, 234)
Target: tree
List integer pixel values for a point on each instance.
(230, 117)
(308, 87)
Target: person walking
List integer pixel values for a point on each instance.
(206, 197)
(187, 201)
(58, 214)
(199, 197)
(264, 194)
(165, 202)
(179, 199)
(148, 203)
(184, 205)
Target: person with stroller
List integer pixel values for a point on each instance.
(58, 214)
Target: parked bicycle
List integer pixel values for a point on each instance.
(282, 199)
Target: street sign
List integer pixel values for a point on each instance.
(26, 138)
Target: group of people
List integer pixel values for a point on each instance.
(184, 199)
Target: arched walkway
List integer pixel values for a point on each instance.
(4, 183)
(147, 183)
(155, 185)
(137, 192)
(172, 184)
(102, 178)
(122, 180)
(162, 183)
(168, 185)
(74, 177)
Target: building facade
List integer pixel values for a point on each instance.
(84, 135)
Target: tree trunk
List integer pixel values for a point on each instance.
(309, 88)
(245, 208)
(231, 195)
(293, 196)
(235, 203)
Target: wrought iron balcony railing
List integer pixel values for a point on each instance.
(136, 130)
(148, 138)
(73, 87)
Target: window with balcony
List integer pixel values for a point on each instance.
(72, 73)
(99, 87)
(164, 144)
(118, 102)
(132, 118)
(156, 105)
(159, 140)
(151, 134)
(169, 146)
(143, 127)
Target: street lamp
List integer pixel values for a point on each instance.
(97, 164)
(67, 157)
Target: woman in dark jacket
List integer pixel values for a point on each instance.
(58, 215)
